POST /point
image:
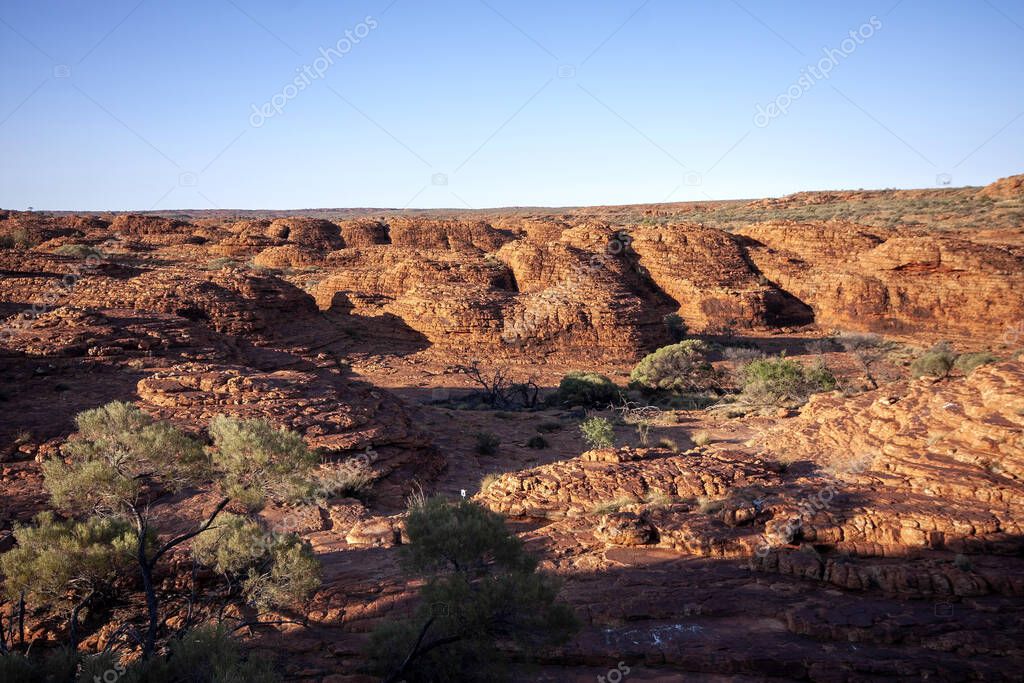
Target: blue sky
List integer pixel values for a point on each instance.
(471, 103)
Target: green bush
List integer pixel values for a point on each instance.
(936, 362)
(538, 442)
(207, 654)
(17, 238)
(782, 382)
(487, 443)
(598, 432)
(77, 250)
(679, 367)
(586, 389)
(966, 362)
(482, 589)
(676, 326)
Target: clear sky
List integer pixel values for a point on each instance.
(166, 104)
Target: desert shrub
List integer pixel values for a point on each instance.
(936, 362)
(678, 367)
(659, 499)
(701, 438)
(966, 362)
(781, 381)
(586, 389)
(487, 443)
(676, 326)
(598, 432)
(538, 442)
(610, 506)
(207, 654)
(869, 350)
(18, 238)
(742, 355)
(482, 587)
(489, 479)
(221, 263)
(351, 482)
(668, 443)
(77, 250)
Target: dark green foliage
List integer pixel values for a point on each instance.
(586, 389)
(598, 432)
(487, 443)
(122, 461)
(482, 590)
(206, 654)
(676, 326)
(538, 442)
(936, 362)
(259, 460)
(18, 238)
(77, 250)
(66, 563)
(681, 367)
(967, 362)
(782, 382)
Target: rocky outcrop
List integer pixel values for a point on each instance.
(1011, 187)
(706, 273)
(926, 285)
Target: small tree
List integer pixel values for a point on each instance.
(679, 367)
(598, 432)
(869, 350)
(122, 461)
(482, 589)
